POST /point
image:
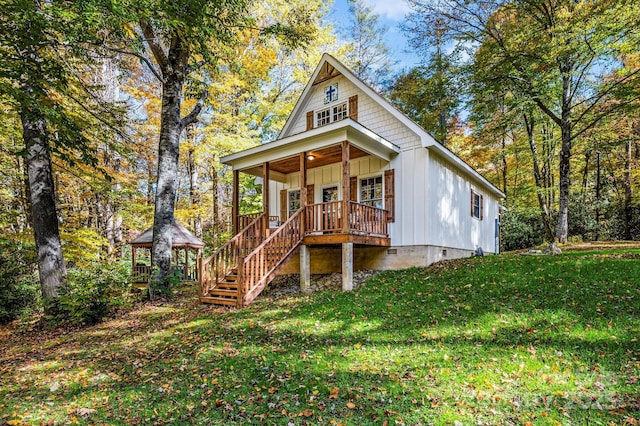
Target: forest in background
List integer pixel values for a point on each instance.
(540, 96)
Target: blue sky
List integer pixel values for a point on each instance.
(392, 13)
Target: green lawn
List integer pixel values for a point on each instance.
(495, 340)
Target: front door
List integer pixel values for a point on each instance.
(331, 210)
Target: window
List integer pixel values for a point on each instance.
(293, 202)
(324, 117)
(476, 205)
(339, 112)
(371, 191)
(331, 115)
(330, 194)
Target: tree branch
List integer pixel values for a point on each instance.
(156, 49)
(143, 58)
(193, 115)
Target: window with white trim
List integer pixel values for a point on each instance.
(476, 205)
(371, 191)
(332, 114)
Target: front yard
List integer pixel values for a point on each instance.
(496, 340)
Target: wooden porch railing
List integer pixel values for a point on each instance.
(367, 220)
(259, 267)
(327, 217)
(214, 269)
(324, 217)
(245, 219)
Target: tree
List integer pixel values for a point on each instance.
(182, 44)
(366, 53)
(42, 80)
(549, 53)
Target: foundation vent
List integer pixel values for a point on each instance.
(392, 251)
(444, 252)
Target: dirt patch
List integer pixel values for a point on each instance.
(290, 284)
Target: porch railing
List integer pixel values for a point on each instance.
(326, 218)
(367, 220)
(221, 263)
(259, 267)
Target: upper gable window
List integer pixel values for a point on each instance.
(332, 114)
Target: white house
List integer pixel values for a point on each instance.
(351, 183)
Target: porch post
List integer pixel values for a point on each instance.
(303, 191)
(235, 203)
(346, 187)
(265, 197)
(305, 269)
(347, 266)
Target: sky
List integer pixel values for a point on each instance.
(392, 13)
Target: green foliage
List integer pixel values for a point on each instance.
(19, 291)
(520, 229)
(429, 95)
(82, 246)
(94, 291)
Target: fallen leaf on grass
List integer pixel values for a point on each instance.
(333, 394)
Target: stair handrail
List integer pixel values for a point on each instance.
(260, 265)
(214, 268)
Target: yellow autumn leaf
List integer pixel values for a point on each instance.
(333, 394)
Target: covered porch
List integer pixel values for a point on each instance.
(319, 174)
(327, 186)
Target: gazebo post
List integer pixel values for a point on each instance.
(133, 261)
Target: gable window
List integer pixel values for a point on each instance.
(371, 191)
(293, 201)
(331, 114)
(476, 205)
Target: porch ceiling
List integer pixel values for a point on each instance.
(322, 157)
(322, 142)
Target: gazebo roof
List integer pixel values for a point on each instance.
(181, 238)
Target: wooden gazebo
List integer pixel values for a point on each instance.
(184, 244)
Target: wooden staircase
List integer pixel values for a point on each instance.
(237, 272)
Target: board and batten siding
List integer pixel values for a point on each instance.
(450, 222)
(321, 177)
(370, 114)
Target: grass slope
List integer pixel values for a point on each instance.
(494, 340)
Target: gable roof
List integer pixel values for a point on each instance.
(181, 238)
(329, 67)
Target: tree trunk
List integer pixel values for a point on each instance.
(540, 184)
(217, 229)
(43, 206)
(194, 194)
(628, 194)
(168, 155)
(562, 231)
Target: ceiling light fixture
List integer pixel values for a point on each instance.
(311, 157)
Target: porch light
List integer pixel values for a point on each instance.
(311, 157)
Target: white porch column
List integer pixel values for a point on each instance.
(347, 266)
(305, 269)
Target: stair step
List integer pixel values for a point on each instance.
(218, 300)
(227, 284)
(221, 292)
